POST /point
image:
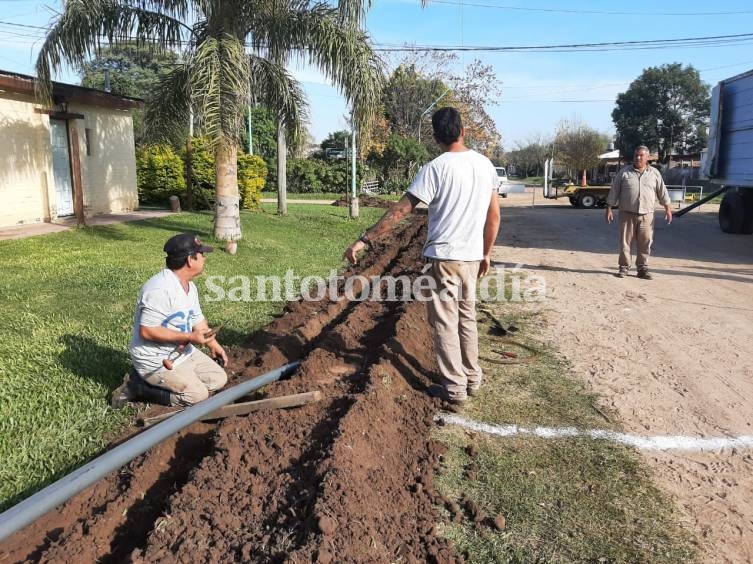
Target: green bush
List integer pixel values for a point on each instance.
(252, 178)
(159, 174)
(203, 174)
(316, 176)
(252, 174)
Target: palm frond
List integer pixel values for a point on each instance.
(220, 77)
(279, 90)
(84, 23)
(342, 53)
(168, 108)
(353, 12)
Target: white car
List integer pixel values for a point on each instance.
(503, 187)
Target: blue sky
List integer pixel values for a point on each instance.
(539, 89)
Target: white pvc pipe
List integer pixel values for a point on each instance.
(66, 487)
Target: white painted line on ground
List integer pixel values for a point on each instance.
(668, 442)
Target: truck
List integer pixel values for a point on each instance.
(728, 160)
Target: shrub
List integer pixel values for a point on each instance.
(252, 177)
(203, 174)
(252, 173)
(314, 176)
(159, 174)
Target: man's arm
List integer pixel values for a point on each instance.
(663, 196)
(613, 197)
(491, 227)
(387, 223)
(161, 334)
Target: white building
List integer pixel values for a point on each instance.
(76, 155)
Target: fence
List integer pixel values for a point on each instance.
(370, 187)
(680, 194)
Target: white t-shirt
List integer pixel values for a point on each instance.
(457, 187)
(163, 302)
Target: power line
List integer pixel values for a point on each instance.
(708, 41)
(593, 12)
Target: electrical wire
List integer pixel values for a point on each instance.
(593, 12)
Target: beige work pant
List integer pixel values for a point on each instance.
(452, 314)
(191, 381)
(638, 227)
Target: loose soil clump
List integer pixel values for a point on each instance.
(364, 201)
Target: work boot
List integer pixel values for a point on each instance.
(450, 403)
(147, 393)
(622, 272)
(134, 388)
(645, 274)
(473, 390)
(122, 394)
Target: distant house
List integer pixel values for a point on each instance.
(76, 155)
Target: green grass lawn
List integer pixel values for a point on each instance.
(320, 196)
(68, 302)
(325, 196)
(564, 499)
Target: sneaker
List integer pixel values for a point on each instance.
(645, 274)
(622, 272)
(474, 390)
(451, 402)
(123, 394)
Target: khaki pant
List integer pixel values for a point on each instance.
(191, 381)
(452, 314)
(638, 227)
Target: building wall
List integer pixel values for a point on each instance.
(108, 168)
(108, 172)
(25, 162)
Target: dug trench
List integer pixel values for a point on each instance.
(348, 478)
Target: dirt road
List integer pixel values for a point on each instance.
(671, 356)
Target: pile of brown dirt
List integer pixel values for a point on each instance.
(364, 201)
(346, 479)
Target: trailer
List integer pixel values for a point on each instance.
(728, 162)
(578, 196)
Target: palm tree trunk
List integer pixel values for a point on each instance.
(282, 169)
(227, 220)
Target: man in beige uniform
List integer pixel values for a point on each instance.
(635, 189)
(460, 189)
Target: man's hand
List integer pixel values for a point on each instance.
(201, 336)
(217, 351)
(483, 267)
(351, 253)
(668, 214)
(609, 217)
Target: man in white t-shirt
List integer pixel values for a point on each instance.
(168, 327)
(460, 189)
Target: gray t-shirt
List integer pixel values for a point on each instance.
(163, 302)
(457, 187)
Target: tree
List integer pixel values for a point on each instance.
(578, 147)
(263, 131)
(336, 140)
(133, 71)
(664, 108)
(406, 96)
(470, 91)
(399, 160)
(529, 157)
(332, 41)
(215, 76)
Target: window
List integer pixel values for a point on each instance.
(88, 134)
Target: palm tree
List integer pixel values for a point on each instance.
(232, 47)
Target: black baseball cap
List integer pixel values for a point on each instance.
(184, 245)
